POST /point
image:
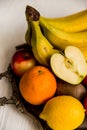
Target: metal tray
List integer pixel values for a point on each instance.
(23, 106)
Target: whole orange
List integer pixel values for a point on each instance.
(38, 85)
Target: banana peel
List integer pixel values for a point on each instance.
(60, 39)
(72, 23)
(41, 47)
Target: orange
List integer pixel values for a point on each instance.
(38, 85)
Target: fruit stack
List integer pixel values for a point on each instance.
(53, 71)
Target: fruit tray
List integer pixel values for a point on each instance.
(22, 105)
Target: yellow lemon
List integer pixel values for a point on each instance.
(63, 113)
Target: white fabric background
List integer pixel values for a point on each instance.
(12, 30)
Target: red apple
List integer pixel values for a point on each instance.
(84, 82)
(22, 60)
(85, 103)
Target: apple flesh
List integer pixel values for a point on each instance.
(22, 60)
(70, 66)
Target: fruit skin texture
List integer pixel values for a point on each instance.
(85, 104)
(41, 47)
(28, 35)
(71, 23)
(63, 113)
(22, 60)
(84, 82)
(60, 39)
(38, 85)
(78, 91)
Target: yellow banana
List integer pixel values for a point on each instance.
(61, 39)
(41, 47)
(72, 23)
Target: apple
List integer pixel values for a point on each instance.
(84, 82)
(85, 104)
(22, 60)
(70, 66)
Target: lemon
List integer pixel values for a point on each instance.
(63, 113)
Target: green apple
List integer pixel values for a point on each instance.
(70, 66)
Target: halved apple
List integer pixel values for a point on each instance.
(70, 67)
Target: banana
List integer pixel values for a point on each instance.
(61, 39)
(41, 47)
(28, 34)
(72, 23)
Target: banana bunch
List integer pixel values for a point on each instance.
(50, 35)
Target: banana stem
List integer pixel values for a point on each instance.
(32, 14)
